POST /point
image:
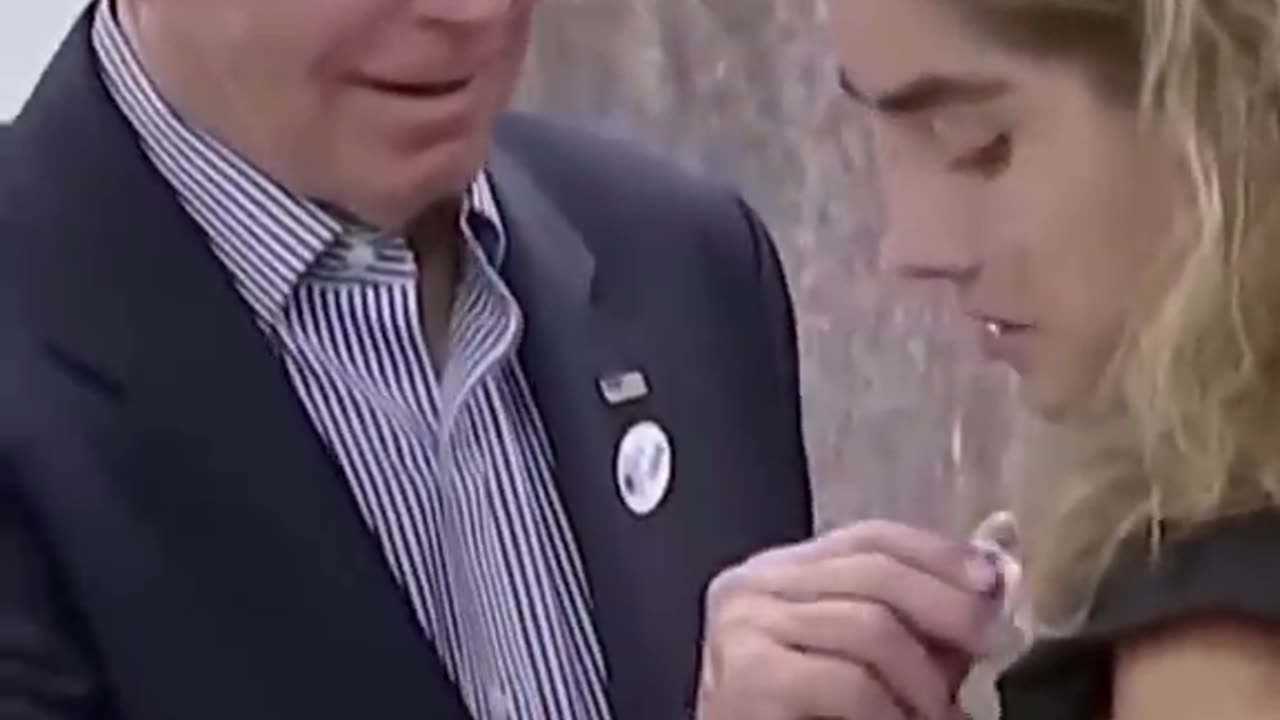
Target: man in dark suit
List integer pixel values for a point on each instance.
(323, 396)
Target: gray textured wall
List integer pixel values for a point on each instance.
(901, 419)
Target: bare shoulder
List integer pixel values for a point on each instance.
(1204, 667)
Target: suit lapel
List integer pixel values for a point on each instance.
(134, 302)
(573, 339)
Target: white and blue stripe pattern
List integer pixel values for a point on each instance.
(452, 473)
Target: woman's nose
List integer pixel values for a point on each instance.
(926, 237)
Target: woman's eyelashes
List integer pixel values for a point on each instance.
(987, 159)
(972, 140)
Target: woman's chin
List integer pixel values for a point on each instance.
(1063, 403)
(1049, 401)
(1048, 412)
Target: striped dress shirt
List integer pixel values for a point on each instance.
(452, 471)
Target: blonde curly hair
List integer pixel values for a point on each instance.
(1198, 375)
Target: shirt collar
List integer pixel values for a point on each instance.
(268, 237)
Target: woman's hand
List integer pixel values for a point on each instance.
(876, 621)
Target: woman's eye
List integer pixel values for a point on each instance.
(987, 160)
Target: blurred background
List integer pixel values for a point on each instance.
(902, 421)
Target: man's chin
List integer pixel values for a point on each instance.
(396, 207)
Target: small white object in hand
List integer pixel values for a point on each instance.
(996, 538)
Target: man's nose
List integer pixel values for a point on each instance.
(463, 11)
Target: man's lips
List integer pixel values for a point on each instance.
(418, 88)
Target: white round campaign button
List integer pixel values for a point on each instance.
(362, 256)
(644, 467)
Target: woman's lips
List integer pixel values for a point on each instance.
(1005, 341)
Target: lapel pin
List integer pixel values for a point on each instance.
(622, 388)
(644, 467)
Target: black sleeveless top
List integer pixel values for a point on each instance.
(1231, 567)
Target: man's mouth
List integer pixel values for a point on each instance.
(421, 89)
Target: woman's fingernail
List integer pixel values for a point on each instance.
(981, 573)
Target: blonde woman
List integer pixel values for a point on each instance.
(1100, 181)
